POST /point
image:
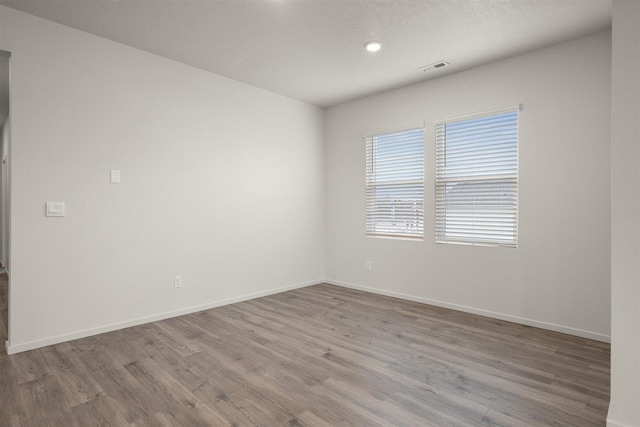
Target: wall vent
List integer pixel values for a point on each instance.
(434, 66)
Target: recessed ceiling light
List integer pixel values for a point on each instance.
(372, 46)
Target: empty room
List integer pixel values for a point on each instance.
(320, 213)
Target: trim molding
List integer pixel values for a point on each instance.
(30, 345)
(611, 423)
(495, 315)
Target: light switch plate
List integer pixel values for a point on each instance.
(55, 209)
(115, 176)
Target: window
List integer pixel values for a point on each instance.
(395, 184)
(477, 179)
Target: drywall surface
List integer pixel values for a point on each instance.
(222, 183)
(624, 409)
(559, 276)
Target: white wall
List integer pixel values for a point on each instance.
(624, 409)
(207, 192)
(559, 276)
(222, 183)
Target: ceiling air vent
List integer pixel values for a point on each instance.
(434, 66)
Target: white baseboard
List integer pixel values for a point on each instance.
(30, 345)
(17, 348)
(611, 423)
(507, 317)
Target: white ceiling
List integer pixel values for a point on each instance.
(312, 50)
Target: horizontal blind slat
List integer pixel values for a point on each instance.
(395, 184)
(476, 180)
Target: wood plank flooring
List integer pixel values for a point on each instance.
(317, 356)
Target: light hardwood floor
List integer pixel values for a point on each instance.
(316, 356)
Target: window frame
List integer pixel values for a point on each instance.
(407, 186)
(477, 235)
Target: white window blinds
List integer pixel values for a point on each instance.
(477, 179)
(395, 184)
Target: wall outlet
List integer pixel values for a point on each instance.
(367, 265)
(177, 281)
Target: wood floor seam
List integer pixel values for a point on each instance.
(316, 356)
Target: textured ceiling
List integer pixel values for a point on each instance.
(312, 50)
